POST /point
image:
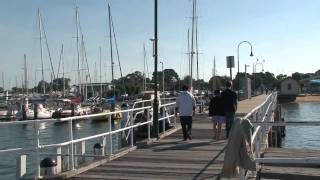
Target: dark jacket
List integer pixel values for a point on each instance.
(216, 106)
(229, 99)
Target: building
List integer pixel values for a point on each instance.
(289, 87)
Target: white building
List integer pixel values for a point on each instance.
(289, 86)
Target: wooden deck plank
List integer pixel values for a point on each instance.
(290, 171)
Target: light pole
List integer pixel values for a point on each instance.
(161, 62)
(254, 73)
(155, 55)
(251, 54)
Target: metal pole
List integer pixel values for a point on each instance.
(25, 75)
(111, 52)
(251, 54)
(3, 81)
(155, 103)
(41, 51)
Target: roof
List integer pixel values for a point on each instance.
(314, 81)
(288, 78)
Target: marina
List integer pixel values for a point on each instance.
(121, 89)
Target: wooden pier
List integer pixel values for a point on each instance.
(171, 158)
(290, 171)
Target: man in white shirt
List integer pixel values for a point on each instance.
(185, 105)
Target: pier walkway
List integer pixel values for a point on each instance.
(171, 158)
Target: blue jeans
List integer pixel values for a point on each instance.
(229, 121)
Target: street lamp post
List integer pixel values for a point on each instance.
(251, 54)
(155, 49)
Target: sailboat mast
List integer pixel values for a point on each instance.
(197, 50)
(63, 80)
(192, 40)
(188, 52)
(100, 58)
(41, 51)
(144, 67)
(3, 80)
(111, 53)
(25, 74)
(214, 74)
(78, 54)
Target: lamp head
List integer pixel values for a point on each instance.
(251, 54)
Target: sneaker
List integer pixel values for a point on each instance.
(189, 136)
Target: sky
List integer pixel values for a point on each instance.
(283, 33)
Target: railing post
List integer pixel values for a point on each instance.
(132, 129)
(82, 150)
(110, 136)
(37, 142)
(175, 117)
(257, 146)
(71, 155)
(59, 159)
(163, 120)
(22, 166)
(149, 126)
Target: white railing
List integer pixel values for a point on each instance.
(262, 113)
(262, 117)
(129, 115)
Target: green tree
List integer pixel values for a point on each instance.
(218, 82)
(169, 82)
(40, 86)
(57, 84)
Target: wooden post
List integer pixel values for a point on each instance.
(82, 150)
(149, 126)
(35, 111)
(22, 166)
(59, 160)
(24, 112)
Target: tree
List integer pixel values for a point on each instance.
(57, 84)
(40, 86)
(131, 84)
(296, 76)
(218, 82)
(169, 76)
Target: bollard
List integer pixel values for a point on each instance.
(72, 110)
(48, 167)
(35, 111)
(24, 112)
(22, 166)
(97, 149)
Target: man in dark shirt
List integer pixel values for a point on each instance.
(229, 98)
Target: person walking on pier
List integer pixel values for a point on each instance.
(185, 105)
(216, 111)
(230, 103)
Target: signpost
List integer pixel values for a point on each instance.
(230, 64)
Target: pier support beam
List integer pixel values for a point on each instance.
(59, 160)
(21, 166)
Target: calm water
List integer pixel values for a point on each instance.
(302, 137)
(23, 136)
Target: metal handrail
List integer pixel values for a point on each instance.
(72, 141)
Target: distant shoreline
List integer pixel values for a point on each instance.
(308, 98)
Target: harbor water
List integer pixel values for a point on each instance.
(23, 136)
(304, 136)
